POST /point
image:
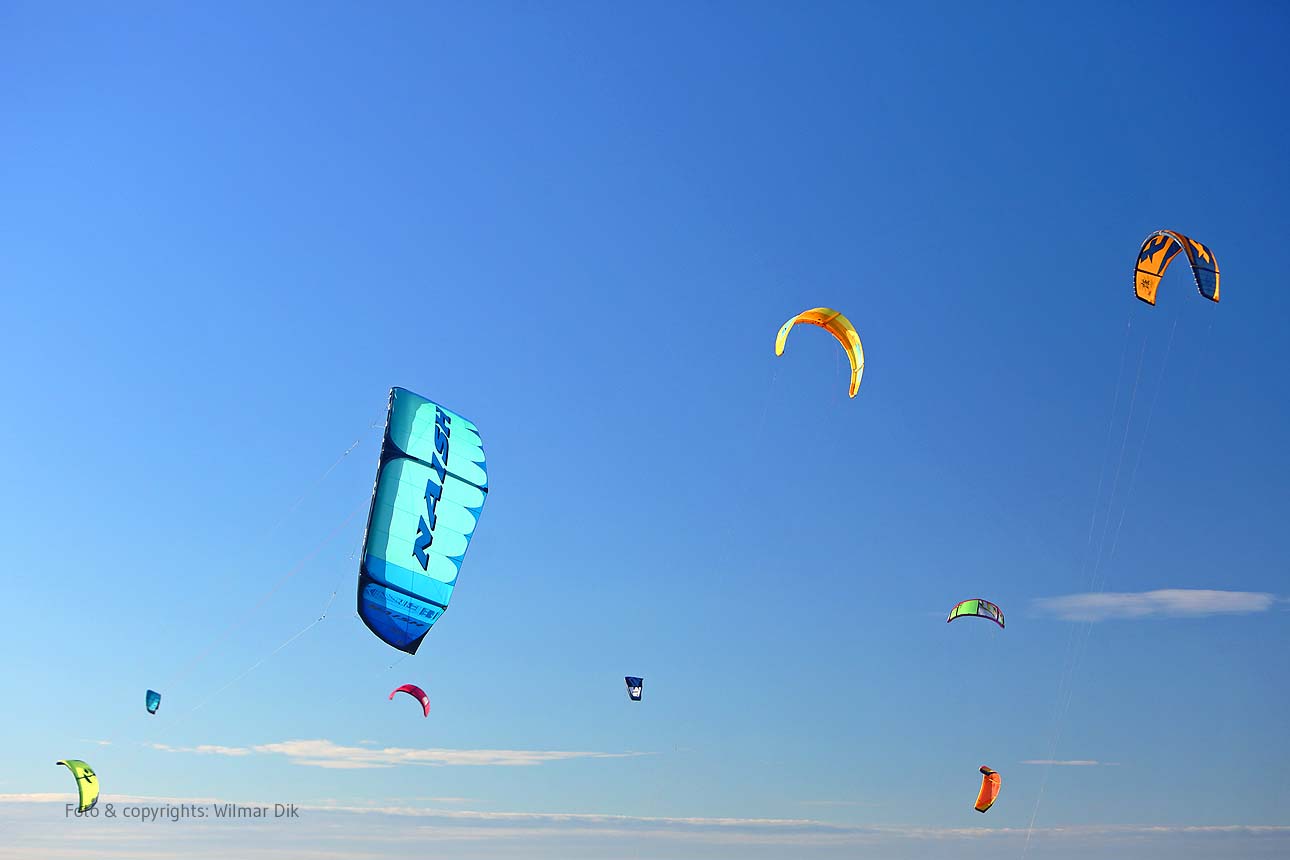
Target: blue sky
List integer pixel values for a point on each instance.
(227, 231)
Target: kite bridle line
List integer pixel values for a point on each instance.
(182, 672)
(1090, 553)
(166, 725)
(310, 489)
(282, 580)
(1089, 556)
(186, 668)
(170, 724)
(1098, 576)
(1133, 474)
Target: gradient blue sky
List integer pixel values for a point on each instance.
(226, 231)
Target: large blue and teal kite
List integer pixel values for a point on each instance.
(430, 487)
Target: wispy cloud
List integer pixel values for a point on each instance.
(835, 803)
(339, 831)
(1076, 762)
(327, 754)
(204, 749)
(1163, 603)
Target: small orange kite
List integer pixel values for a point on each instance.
(989, 789)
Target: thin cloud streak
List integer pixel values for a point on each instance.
(327, 754)
(1162, 603)
(835, 803)
(414, 825)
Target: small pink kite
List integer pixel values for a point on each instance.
(417, 693)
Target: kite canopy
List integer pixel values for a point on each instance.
(837, 325)
(976, 608)
(415, 692)
(1158, 251)
(152, 701)
(87, 784)
(430, 487)
(989, 789)
(634, 686)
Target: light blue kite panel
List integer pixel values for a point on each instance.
(430, 488)
(412, 430)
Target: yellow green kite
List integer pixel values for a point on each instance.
(87, 784)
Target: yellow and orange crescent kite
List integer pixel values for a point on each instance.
(837, 325)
